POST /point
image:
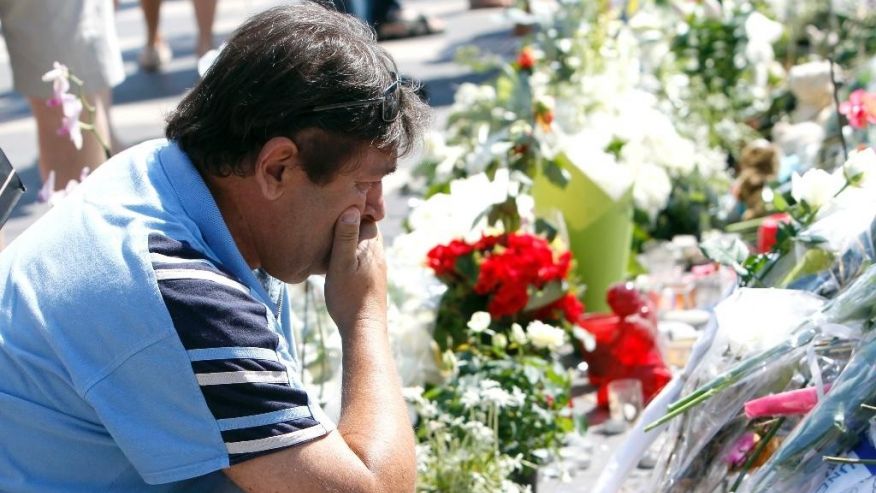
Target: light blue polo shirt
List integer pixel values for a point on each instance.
(138, 350)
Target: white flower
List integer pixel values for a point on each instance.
(546, 336)
(518, 335)
(492, 393)
(480, 432)
(479, 321)
(860, 168)
(586, 153)
(59, 76)
(816, 187)
(518, 397)
(762, 32)
(651, 189)
(500, 341)
(59, 71)
(470, 398)
(412, 394)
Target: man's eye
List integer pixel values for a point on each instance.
(365, 186)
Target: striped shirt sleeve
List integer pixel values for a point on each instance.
(230, 340)
(217, 388)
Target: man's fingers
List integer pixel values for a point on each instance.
(368, 230)
(346, 235)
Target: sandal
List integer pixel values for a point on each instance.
(408, 24)
(489, 4)
(152, 58)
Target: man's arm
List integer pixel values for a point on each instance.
(373, 447)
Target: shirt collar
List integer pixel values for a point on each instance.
(199, 204)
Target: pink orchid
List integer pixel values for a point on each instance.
(48, 194)
(735, 457)
(48, 188)
(59, 76)
(789, 403)
(856, 109)
(72, 108)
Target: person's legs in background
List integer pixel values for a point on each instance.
(205, 14)
(390, 19)
(156, 52)
(80, 34)
(380, 11)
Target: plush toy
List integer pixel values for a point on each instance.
(758, 165)
(626, 344)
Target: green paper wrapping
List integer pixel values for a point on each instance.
(599, 228)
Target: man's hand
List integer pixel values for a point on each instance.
(355, 285)
(373, 448)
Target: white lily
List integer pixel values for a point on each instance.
(816, 187)
(860, 168)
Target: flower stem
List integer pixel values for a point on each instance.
(849, 460)
(732, 376)
(92, 110)
(689, 403)
(761, 445)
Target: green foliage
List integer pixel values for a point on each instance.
(523, 428)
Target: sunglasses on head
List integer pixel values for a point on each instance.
(389, 102)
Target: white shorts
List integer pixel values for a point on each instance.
(78, 33)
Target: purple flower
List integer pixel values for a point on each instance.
(735, 457)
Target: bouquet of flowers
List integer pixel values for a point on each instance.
(816, 365)
(517, 277)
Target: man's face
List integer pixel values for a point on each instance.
(306, 234)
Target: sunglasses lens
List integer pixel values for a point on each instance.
(391, 103)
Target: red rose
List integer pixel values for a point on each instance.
(508, 300)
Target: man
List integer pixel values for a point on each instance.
(145, 339)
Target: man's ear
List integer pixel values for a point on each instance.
(274, 166)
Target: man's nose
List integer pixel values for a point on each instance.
(374, 206)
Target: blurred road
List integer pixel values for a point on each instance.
(143, 99)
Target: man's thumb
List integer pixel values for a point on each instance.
(347, 233)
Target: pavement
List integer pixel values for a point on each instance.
(143, 99)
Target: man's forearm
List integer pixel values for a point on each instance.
(374, 420)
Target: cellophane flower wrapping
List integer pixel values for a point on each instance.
(748, 321)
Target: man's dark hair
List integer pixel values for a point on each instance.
(278, 65)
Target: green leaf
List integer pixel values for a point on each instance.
(730, 252)
(556, 174)
(550, 293)
(505, 212)
(546, 229)
(813, 262)
(780, 203)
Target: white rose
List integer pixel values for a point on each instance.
(860, 168)
(479, 321)
(542, 335)
(816, 187)
(518, 335)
